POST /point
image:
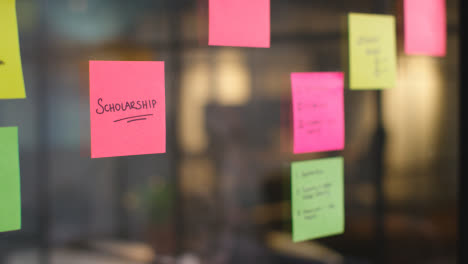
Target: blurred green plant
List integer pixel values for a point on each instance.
(158, 202)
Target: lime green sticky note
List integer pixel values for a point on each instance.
(317, 195)
(372, 51)
(11, 72)
(10, 194)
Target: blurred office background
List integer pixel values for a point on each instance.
(220, 194)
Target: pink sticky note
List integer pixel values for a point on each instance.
(128, 109)
(318, 111)
(240, 23)
(425, 27)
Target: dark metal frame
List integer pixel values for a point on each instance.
(463, 184)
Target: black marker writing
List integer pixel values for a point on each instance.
(373, 49)
(125, 106)
(367, 40)
(139, 119)
(311, 173)
(135, 118)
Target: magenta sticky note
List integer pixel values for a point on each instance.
(318, 111)
(127, 108)
(425, 27)
(239, 23)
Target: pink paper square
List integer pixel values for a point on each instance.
(239, 23)
(425, 27)
(318, 111)
(128, 109)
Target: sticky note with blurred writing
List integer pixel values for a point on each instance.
(317, 198)
(372, 51)
(11, 72)
(10, 190)
(318, 110)
(241, 23)
(128, 110)
(425, 27)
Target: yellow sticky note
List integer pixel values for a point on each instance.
(372, 51)
(11, 73)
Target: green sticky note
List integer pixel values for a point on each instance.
(372, 51)
(317, 195)
(11, 72)
(10, 193)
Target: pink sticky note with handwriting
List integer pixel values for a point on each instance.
(318, 111)
(128, 109)
(425, 27)
(239, 23)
